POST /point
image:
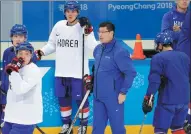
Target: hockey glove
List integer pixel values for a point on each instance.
(85, 22)
(187, 127)
(88, 82)
(148, 103)
(15, 65)
(39, 54)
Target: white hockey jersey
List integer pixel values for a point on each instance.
(24, 97)
(66, 41)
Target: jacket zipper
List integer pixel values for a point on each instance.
(98, 67)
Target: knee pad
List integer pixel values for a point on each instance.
(85, 112)
(177, 130)
(66, 111)
(83, 116)
(85, 109)
(65, 107)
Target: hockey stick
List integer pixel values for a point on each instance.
(2, 124)
(83, 47)
(40, 130)
(80, 108)
(2, 92)
(145, 115)
(140, 131)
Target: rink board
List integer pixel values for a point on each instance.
(147, 129)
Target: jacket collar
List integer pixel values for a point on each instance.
(109, 46)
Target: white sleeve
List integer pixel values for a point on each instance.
(20, 86)
(90, 41)
(50, 47)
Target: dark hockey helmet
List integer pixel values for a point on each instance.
(25, 46)
(71, 5)
(19, 29)
(163, 38)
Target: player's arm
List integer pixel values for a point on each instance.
(167, 26)
(86, 24)
(154, 76)
(176, 35)
(3, 73)
(90, 40)
(18, 84)
(125, 65)
(22, 86)
(154, 84)
(50, 47)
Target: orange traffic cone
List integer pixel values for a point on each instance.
(138, 49)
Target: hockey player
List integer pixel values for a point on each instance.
(113, 76)
(172, 20)
(184, 46)
(173, 98)
(18, 34)
(67, 41)
(24, 97)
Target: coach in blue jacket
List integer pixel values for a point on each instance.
(113, 76)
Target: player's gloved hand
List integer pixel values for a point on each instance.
(187, 127)
(88, 82)
(85, 22)
(15, 65)
(39, 54)
(148, 103)
(176, 28)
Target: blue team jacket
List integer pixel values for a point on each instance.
(114, 71)
(170, 19)
(175, 66)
